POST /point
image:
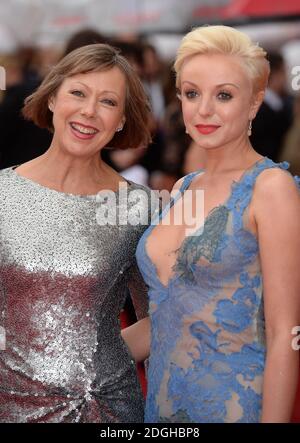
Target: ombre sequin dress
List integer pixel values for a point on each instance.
(63, 283)
(208, 337)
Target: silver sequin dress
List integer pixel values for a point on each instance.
(63, 282)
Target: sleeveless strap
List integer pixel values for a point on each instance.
(187, 180)
(184, 185)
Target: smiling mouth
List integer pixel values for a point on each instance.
(84, 130)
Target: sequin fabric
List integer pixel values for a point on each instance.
(63, 283)
(208, 330)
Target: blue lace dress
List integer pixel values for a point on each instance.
(208, 339)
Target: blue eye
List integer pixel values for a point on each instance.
(190, 94)
(77, 93)
(224, 96)
(109, 102)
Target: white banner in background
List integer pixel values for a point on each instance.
(31, 18)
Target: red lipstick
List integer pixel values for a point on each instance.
(207, 129)
(84, 132)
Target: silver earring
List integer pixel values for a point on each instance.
(186, 131)
(119, 129)
(249, 132)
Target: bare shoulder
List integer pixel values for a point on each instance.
(275, 182)
(275, 187)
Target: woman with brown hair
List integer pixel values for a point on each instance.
(66, 260)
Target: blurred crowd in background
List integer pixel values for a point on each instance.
(276, 129)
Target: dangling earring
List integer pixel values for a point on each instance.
(186, 131)
(249, 132)
(119, 129)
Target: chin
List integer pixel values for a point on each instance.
(80, 152)
(208, 146)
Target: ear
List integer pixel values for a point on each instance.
(51, 103)
(122, 122)
(256, 103)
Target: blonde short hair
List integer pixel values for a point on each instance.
(225, 40)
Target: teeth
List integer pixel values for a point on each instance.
(83, 130)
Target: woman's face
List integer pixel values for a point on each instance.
(217, 99)
(87, 110)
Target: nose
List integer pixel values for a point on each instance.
(88, 108)
(205, 106)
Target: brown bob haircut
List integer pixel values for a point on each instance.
(91, 58)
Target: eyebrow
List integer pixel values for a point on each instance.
(217, 86)
(102, 92)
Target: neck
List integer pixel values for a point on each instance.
(66, 173)
(237, 156)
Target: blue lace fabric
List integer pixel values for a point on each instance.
(208, 337)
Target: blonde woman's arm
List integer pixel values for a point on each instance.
(276, 205)
(137, 338)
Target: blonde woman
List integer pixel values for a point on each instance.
(225, 297)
